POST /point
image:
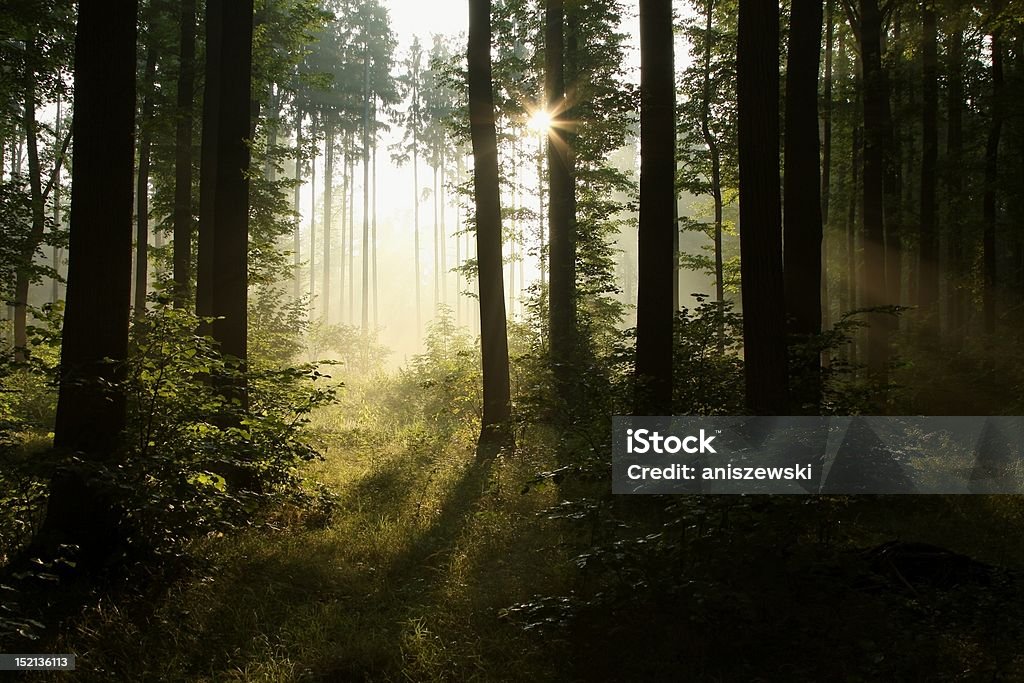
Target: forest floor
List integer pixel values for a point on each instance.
(434, 568)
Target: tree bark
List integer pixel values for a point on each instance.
(716, 179)
(495, 430)
(990, 205)
(364, 245)
(764, 315)
(183, 157)
(561, 244)
(802, 226)
(142, 191)
(928, 269)
(325, 312)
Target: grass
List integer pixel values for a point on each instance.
(404, 583)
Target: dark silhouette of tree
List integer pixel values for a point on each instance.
(764, 320)
(494, 431)
(656, 257)
(990, 199)
(802, 224)
(183, 156)
(223, 239)
(91, 402)
(928, 235)
(561, 241)
(142, 179)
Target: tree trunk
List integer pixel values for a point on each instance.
(91, 402)
(802, 226)
(364, 245)
(312, 218)
(325, 311)
(716, 179)
(826, 165)
(416, 189)
(495, 430)
(183, 158)
(229, 28)
(345, 246)
(296, 203)
(928, 269)
(876, 137)
(35, 179)
(990, 206)
(764, 314)
(657, 217)
(142, 190)
(561, 244)
(954, 184)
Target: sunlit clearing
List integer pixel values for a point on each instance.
(539, 122)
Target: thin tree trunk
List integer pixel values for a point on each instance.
(954, 185)
(495, 431)
(325, 312)
(826, 165)
(296, 204)
(183, 157)
(142, 191)
(990, 205)
(312, 219)
(764, 315)
(365, 245)
(345, 246)
(802, 226)
(716, 179)
(928, 269)
(55, 293)
(373, 226)
(657, 197)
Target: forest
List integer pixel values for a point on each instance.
(318, 314)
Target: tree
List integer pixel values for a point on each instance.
(223, 239)
(142, 177)
(561, 196)
(802, 226)
(183, 156)
(928, 235)
(764, 319)
(657, 217)
(990, 199)
(91, 402)
(494, 430)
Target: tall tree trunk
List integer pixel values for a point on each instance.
(230, 28)
(416, 189)
(802, 226)
(142, 190)
(345, 246)
(928, 269)
(183, 157)
(990, 206)
(716, 178)
(312, 218)
(55, 293)
(495, 431)
(373, 226)
(91, 401)
(443, 233)
(325, 312)
(352, 230)
(954, 184)
(826, 165)
(876, 138)
(764, 313)
(657, 197)
(296, 203)
(437, 241)
(364, 245)
(561, 252)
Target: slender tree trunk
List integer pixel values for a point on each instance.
(325, 312)
(928, 269)
(561, 256)
(142, 190)
(416, 191)
(230, 28)
(55, 293)
(183, 157)
(35, 179)
(312, 218)
(345, 246)
(716, 178)
(495, 431)
(91, 401)
(802, 226)
(443, 234)
(657, 197)
(296, 204)
(764, 314)
(826, 165)
(954, 184)
(352, 230)
(990, 205)
(437, 242)
(365, 244)
(373, 226)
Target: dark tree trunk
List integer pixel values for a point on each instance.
(142, 189)
(58, 153)
(657, 196)
(716, 180)
(928, 268)
(495, 431)
(990, 206)
(416, 189)
(364, 320)
(826, 164)
(802, 227)
(373, 226)
(312, 217)
(38, 201)
(764, 314)
(209, 163)
(229, 28)
(561, 243)
(325, 312)
(91, 402)
(183, 157)
(345, 246)
(876, 137)
(296, 201)
(954, 183)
